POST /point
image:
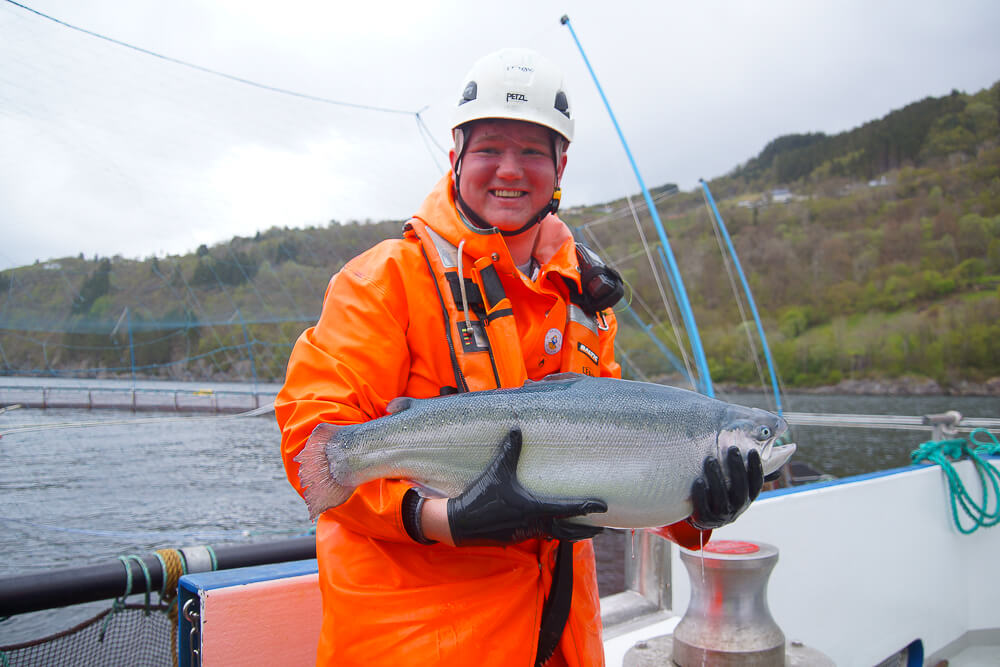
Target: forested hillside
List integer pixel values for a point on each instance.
(874, 253)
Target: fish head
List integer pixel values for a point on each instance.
(754, 429)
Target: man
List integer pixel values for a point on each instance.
(483, 291)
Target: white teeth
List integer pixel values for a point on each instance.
(507, 193)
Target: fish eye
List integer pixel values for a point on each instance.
(764, 432)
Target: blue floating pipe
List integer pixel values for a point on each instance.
(704, 384)
(746, 290)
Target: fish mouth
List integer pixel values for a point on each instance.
(778, 456)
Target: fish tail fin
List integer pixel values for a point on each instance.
(318, 473)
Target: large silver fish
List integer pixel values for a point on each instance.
(637, 446)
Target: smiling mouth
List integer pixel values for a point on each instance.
(508, 194)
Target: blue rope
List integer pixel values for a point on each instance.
(212, 557)
(119, 603)
(749, 294)
(680, 293)
(943, 452)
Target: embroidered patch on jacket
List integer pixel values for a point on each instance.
(553, 341)
(587, 351)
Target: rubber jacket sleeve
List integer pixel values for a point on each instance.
(345, 370)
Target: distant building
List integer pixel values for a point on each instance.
(781, 196)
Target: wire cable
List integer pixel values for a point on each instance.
(659, 286)
(207, 70)
(737, 296)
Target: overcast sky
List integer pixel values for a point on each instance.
(105, 150)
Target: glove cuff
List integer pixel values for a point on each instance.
(413, 504)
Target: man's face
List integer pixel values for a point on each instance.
(507, 172)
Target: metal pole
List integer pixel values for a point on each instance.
(705, 379)
(131, 351)
(246, 339)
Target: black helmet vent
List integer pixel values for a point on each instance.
(470, 93)
(562, 104)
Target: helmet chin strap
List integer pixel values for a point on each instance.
(551, 207)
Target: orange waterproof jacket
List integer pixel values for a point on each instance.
(382, 334)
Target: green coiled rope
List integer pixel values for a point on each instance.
(943, 452)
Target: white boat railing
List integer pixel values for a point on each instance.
(904, 422)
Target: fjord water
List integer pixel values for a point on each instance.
(85, 495)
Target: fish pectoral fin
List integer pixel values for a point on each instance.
(682, 534)
(399, 404)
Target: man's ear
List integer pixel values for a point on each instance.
(561, 167)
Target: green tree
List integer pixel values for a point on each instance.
(96, 285)
(973, 236)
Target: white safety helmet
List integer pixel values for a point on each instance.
(515, 84)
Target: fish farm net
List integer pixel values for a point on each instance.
(134, 635)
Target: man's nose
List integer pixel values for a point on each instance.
(510, 165)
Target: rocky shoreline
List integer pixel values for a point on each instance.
(908, 387)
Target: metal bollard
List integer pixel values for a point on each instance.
(727, 621)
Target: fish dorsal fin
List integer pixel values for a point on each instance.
(554, 382)
(399, 404)
(564, 376)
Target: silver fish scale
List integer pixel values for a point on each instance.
(637, 446)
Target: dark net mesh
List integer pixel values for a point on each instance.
(132, 637)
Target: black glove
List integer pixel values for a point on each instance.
(717, 503)
(497, 510)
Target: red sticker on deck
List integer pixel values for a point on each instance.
(731, 547)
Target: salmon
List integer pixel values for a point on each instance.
(638, 446)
